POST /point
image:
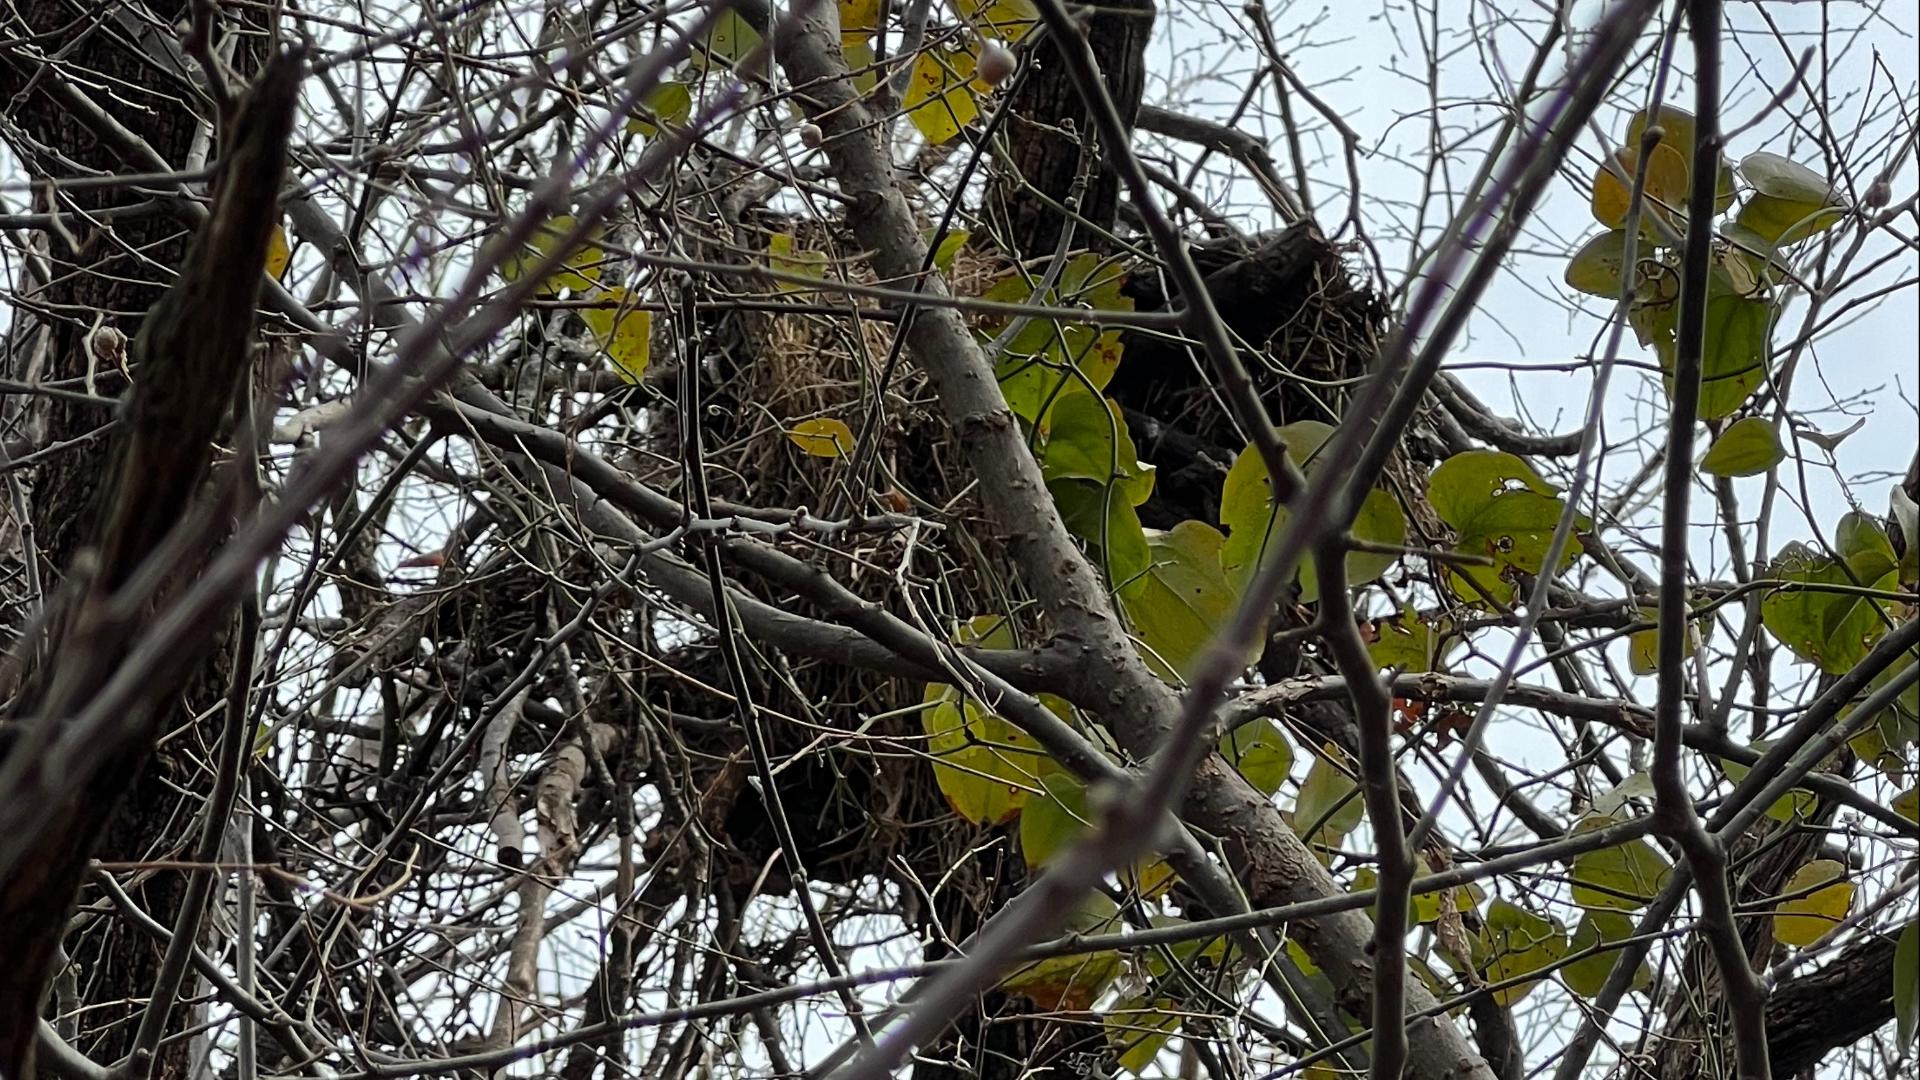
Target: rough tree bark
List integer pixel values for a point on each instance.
(1050, 135)
(189, 354)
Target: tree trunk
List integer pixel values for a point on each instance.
(109, 277)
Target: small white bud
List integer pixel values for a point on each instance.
(996, 63)
(811, 136)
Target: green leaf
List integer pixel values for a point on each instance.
(1588, 975)
(949, 248)
(1329, 796)
(1087, 439)
(728, 42)
(1790, 202)
(1734, 362)
(1179, 604)
(1643, 646)
(1261, 753)
(1053, 818)
(985, 766)
(1597, 267)
(1406, 642)
(1072, 983)
(668, 103)
(1048, 358)
(1254, 518)
(1105, 519)
(1802, 920)
(1500, 508)
(1138, 1029)
(1518, 943)
(580, 271)
(625, 335)
(1624, 877)
(1832, 629)
(1906, 983)
(1747, 447)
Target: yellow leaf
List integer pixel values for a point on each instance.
(784, 257)
(1818, 896)
(859, 19)
(579, 272)
(729, 42)
(939, 99)
(1008, 20)
(278, 254)
(823, 436)
(622, 333)
(669, 103)
(1666, 184)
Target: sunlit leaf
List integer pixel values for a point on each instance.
(860, 18)
(949, 248)
(1747, 447)
(1801, 920)
(823, 436)
(985, 766)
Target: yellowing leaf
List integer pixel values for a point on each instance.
(728, 42)
(668, 103)
(1790, 202)
(1624, 877)
(785, 257)
(1137, 1030)
(823, 436)
(939, 99)
(1802, 920)
(1072, 983)
(1587, 975)
(623, 334)
(1056, 816)
(1046, 358)
(1906, 983)
(1666, 184)
(859, 18)
(278, 253)
(1597, 267)
(1008, 20)
(580, 271)
(1643, 646)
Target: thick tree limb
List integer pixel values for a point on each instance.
(192, 350)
